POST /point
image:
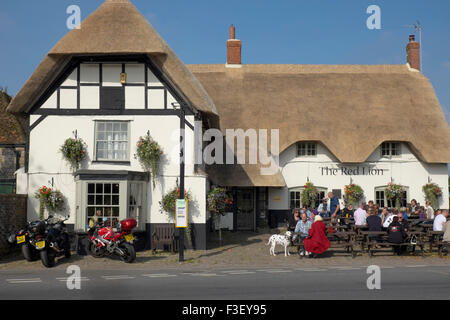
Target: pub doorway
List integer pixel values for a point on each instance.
(244, 214)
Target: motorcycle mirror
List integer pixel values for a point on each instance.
(50, 216)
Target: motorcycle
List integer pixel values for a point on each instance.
(104, 241)
(56, 242)
(29, 237)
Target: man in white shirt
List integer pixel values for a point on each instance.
(440, 221)
(360, 215)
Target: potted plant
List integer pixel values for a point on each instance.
(394, 193)
(432, 193)
(353, 194)
(309, 194)
(149, 154)
(52, 200)
(74, 152)
(218, 200)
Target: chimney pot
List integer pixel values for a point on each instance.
(232, 32)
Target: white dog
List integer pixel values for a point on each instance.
(283, 239)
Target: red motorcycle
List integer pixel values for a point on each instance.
(104, 241)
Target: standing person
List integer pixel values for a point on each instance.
(335, 207)
(303, 226)
(396, 234)
(370, 204)
(360, 215)
(429, 210)
(317, 241)
(324, 208)
(440, 221)
(377, 208)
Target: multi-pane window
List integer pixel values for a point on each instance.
(295, 197)
(103, 202)
(306, 149)
(382, 201)
(390, 149)
(111, 140)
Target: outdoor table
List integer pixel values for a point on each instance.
(343, 239)
(366, 237)
(434, 237)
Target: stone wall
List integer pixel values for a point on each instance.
(13, 216)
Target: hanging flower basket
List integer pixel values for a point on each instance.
(353, 194)
(74, 151)
(309, 195)
(52, 200)
(149, 154)
(432, 193)
(167, 204)
(394, 193)
(218, 200)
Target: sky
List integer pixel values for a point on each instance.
(282, 31)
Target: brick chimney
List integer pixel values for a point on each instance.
(413, 53)
(233, 48)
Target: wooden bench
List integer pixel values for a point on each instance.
(372, 239)
(163, 234)
(435, 240)
(338, 240)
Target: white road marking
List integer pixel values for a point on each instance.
(204, 274)
(233, 271)
(311, 269)
(241, 272)
(80, 279)
(29, 280)
(122, 277)
(417, 266)
(159, 275)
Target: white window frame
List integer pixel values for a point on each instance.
(97, 122)
(300, 189)
(386, 201)
(390, 148)
(306, 146)
(124, 196)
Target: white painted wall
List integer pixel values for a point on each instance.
(46, 162)
(405, 169)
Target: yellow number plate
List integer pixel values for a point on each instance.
(20, 239)
(129, 237)
(40, 244)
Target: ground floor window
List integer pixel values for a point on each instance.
(382, 201)
(295, 197)
(110, 200)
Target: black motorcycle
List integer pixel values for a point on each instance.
(27, 238)
(56, 242)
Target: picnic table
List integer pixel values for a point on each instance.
(373, 239)
(435, 239)
(339, 239)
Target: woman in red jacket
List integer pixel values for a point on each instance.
(317, 242)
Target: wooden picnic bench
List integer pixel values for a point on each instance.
(164, 234)
(372, 239)
(340, 239)
(435, 239)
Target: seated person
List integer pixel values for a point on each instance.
(302, 228)
(306, 210)
(348, 211)
(374, 221)
(360, 215)
(403, 221)
(317, 241)
(293, 219)
(324, 208)
(440, 221)
(396, 234)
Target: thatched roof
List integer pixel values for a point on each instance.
(115, 28)
(12, 127)
(349, 109)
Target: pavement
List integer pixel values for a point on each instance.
(238, 249)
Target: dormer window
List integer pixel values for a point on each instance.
(390, 149)
(305, 149)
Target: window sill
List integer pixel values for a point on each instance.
(111, 162)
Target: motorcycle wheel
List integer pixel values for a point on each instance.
(130, 253)
(95, 251)
(48, 258)
(29, 253)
